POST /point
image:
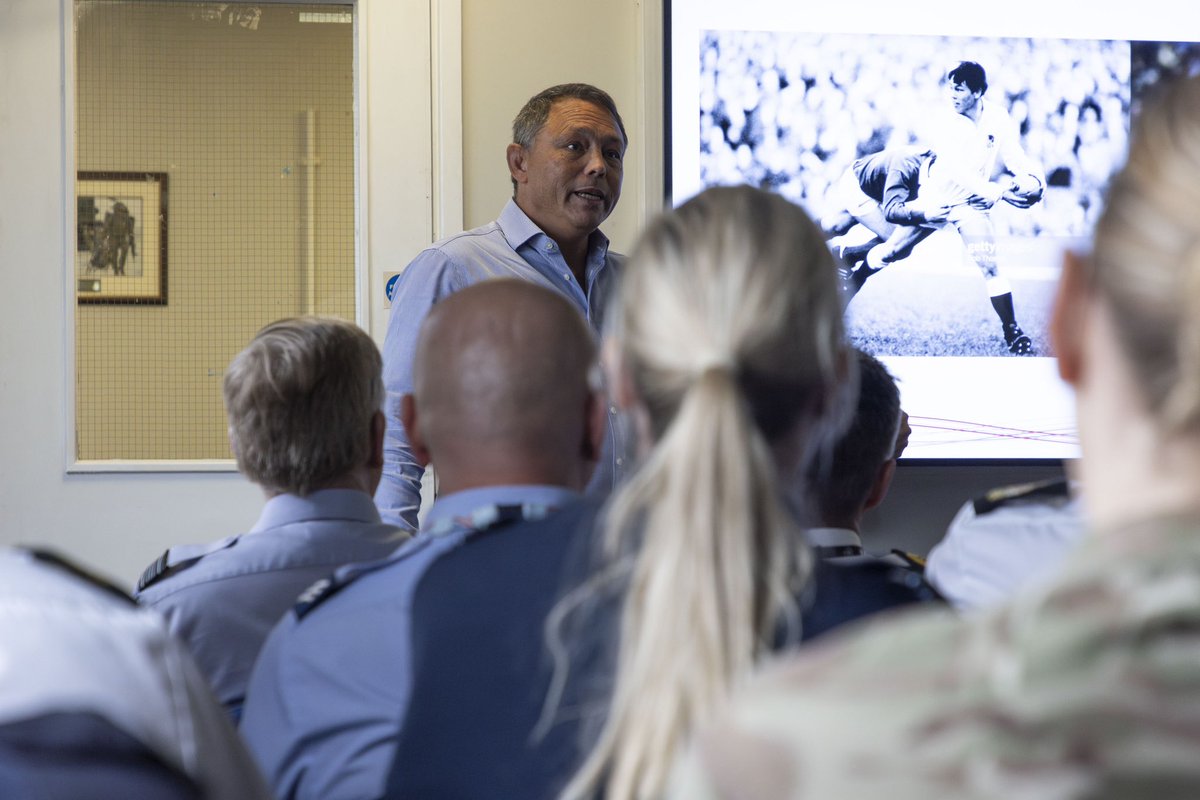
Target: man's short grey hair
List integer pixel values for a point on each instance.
(533, 115)
(300, 399)
(536, 111)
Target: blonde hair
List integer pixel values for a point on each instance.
(729, 324)
(300, 399)
(1146, 256)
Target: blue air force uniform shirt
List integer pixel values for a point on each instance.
(223, 598)
(488, 714)
(324, 704)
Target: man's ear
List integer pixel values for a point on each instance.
(416, 441)
(1068, 317)
(517, 167)
(883, 481)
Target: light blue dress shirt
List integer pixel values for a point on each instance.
(328, 693)
(223, 598)
(511, 247)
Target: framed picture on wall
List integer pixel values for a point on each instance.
(121, 238)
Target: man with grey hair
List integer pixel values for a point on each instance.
(566, 163)
(506, 405)
(305, 424)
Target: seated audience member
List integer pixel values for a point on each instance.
(503, 406)
(1008, 538)
(1086, 686)
(305, 424)
(853, 477)
(725, 345)
(99, 701)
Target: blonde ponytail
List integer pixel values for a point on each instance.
(729, 324)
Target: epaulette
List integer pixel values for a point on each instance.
(180, 558)
(55, 560)
(911, 560)
(997, 498)
(325, 588)
(483, 519)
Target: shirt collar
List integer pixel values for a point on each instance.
(347, 504)
(832, 537)
(519, 229)
(463, 504)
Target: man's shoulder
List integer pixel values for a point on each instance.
(369, 589)
(156, 579)
(47, 573)
(285, 551)
(465, 258)
(468, 247)
(848, 591)
(468, 240)
(995, 116)
(554, 541)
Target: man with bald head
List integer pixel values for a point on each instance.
(493, 394)
(503, 404)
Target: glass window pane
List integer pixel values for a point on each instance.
(215, 148)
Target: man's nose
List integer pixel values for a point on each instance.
(596, 164)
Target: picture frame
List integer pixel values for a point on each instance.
(120, 252)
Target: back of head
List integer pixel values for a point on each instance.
(300, 400)
(838, 484)
(1146, 256)
(728, 326)
(501, 381)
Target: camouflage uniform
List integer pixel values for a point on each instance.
(1088, 687)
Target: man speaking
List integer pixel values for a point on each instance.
(566, 161)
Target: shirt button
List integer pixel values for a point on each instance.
(620, 461)
(549, 247)
(612, 410)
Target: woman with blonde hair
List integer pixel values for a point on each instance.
(1089, 685)
(725, 347)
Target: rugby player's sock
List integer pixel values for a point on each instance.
(1002, 300)
(856, 252)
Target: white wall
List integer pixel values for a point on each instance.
(514, 49)
(119, 522)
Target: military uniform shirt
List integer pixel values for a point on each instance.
(991, 550)
(223, 598)
(328, 693)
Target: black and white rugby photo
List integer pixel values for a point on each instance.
(947, 172)
(951, 154)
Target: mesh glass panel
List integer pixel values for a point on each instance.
(215, 148)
